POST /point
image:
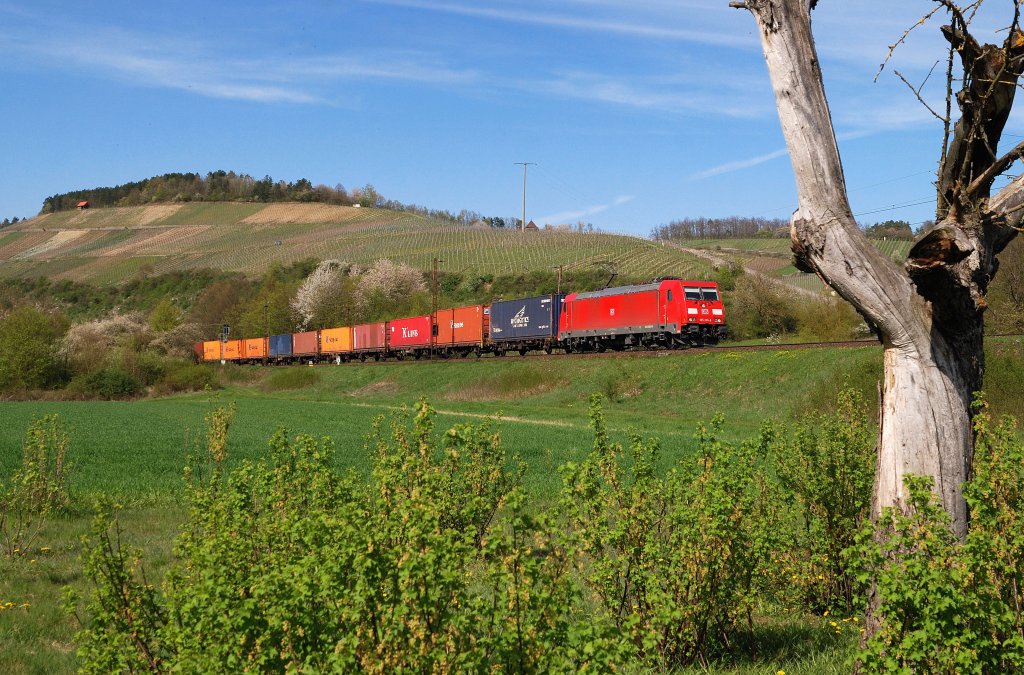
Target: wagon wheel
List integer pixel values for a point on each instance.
(522, 351)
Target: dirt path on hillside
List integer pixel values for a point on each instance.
(719, 261)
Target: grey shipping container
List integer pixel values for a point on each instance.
(281, 345)
(526, 318)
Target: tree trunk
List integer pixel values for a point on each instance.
(930, 374)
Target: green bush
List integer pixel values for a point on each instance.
(947, 607)
(30, 349)
(37, 490)
(182, 377)
(288, 566)
(672, 561)
(111, 384)
(825, 462)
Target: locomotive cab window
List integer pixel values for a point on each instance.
(670, 295)
(710, 294)
(692, 293)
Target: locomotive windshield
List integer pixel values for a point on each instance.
(692, 293)
(709, 294)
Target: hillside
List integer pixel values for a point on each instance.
(110, 245)
(772, 256)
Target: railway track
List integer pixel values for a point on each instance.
(637, 353)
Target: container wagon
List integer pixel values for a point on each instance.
(666, 314)
(211, 350)
(306, 345)
(410, 336)
(254, 349)
(462, 330)
(280, 347)
(336, 343)
(370, 339)
(525, 324)
(232, 350)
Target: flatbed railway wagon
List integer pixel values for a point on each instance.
(254, 350)
(232, 350)
(211, 350)
(461, 331)
(410, 336)
(280, 348)
(306, 346)
(336, 344)
(370, 340)
(525, 324)
(666, 314)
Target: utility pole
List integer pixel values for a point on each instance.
(525, 164)
(559, 268)
(266, 325)
(433, 306)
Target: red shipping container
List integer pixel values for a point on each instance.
(412, 332)
(369, 337)
(462, 326)
(254, 348)
(306, 344)
(232, 350)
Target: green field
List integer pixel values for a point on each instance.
(136, 450)
(108, 246)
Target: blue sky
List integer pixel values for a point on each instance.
(635, 113)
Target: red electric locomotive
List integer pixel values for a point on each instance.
(669, 313)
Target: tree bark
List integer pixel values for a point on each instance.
(933, 345)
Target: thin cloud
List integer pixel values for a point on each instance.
(738, 165)
(568, 216)
(611, 25)
(653, 94)
(198, 68)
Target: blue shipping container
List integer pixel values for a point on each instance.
(281, 345)
(526, 318)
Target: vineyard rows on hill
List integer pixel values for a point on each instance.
(109, 246)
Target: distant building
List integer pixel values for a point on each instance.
(532, 227)
(82, 205)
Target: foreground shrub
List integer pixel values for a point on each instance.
(30, 356)
(671, 561)
(38, 489)
(182, 377)
(111, 384)
(288, 566)
(947, 607)
(826, 464)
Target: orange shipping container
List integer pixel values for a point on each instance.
(211, 350)
(462, 326)
(232, 350)
(254, 348)
(336, 340)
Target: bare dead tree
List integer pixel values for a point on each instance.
(929, 313)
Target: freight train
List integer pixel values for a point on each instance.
(668, 313)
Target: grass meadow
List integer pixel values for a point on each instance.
(136, 450)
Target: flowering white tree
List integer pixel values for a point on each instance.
(317, 290)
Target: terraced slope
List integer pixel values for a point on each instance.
(107, 246)
(772, 257)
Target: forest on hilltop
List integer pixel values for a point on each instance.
(227, 186)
